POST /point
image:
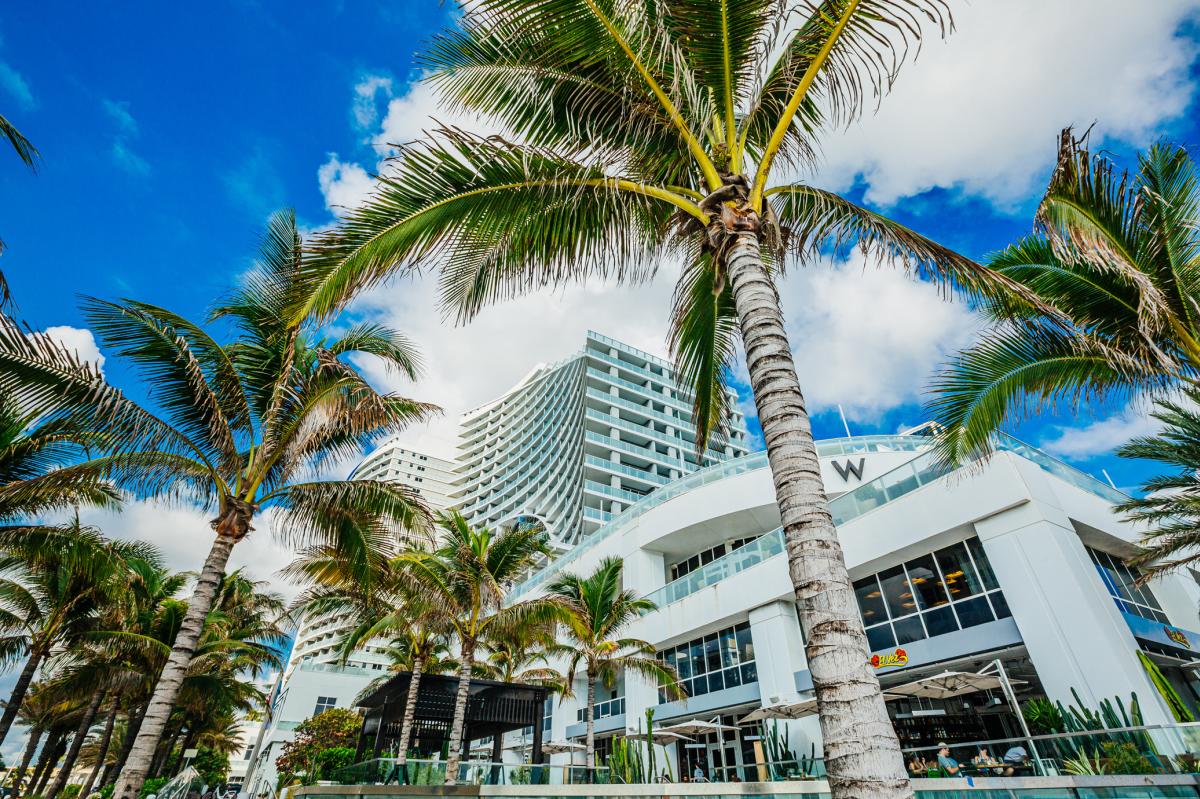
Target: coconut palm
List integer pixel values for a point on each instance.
(521, 656)
(467, 576)
(596, 613)
(238, 427)
(1115, 259)
(1170, 506)
(55, 583)
(638, 131)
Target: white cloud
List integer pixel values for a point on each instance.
(16, 86)
(118, 111)
(868, 337)
(127, 130)
(366, 112)
(981, 111)
(78, 339)
(343, 184)
(1101, 436)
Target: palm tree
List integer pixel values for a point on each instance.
(1113, 267)
(521, 656)
(54, 584)
(239, 427)
(596, 613)
(468, 576)
(1169, 506)
(639, 130)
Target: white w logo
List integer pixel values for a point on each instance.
(850, 468)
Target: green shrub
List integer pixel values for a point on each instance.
(333, 759)
(153, 785)
(70, 792)
(1124, 758)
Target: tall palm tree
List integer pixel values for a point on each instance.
(596, 613)
(54, 584)
(239, 427)
(640, 130)
(1169, 507)
(1113, 269)
(521, 656)
(468, 576)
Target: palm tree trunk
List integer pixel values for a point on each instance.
(165, 751)
(50, 756)
(460, 712)
(189, 742)
(167, 689)
(101, 751)
(85, 724)
(862, 754)
(591, 724)
(35, 737)
(410, 713)
(134, 724)
(18, 693)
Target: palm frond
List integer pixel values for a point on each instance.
(25, 150)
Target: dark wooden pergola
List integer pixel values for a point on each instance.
(493, 708)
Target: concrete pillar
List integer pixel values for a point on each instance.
(614, 457)
(644, 571)
(1075, 634)
(612, 352)
(779, 654)
(616, 507)
(614, 481)
(614, 391)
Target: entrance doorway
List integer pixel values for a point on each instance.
(722, 756)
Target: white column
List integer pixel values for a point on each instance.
(1074, 632)
(778, 655)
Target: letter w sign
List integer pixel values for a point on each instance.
(850, 468)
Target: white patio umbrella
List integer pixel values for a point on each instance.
(664, 737)
(561, 747)
(794, 710)
(948, 684)
(695, 727)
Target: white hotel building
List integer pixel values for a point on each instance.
(1018, 559)
(575, 443)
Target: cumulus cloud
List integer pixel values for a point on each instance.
(868, 337)
(1101, 435)
(980, 112)
(127, 130)
(365, 109)
(15, 85)
(343, 185)
(78, 339)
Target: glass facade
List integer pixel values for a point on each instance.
(1121, 580)
(943, 591)
(714, 662)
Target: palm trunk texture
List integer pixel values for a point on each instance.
(167, 690)
(410, 713)
(460, 713)
(591, 724)
(46, 767)
(862, 753)
(101, 751)
(35, 737)
(18, 693)
(85, 724)
(131, 731)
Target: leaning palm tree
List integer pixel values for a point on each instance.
(238, 428)
(468, 576)
(639, 131)
(1170, 506)
(1115, 260)
(596, 613)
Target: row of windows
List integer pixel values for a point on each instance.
(707, 556)
(714, 662)
(951, 589)
(1121, 581)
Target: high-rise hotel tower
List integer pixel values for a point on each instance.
(575, 443)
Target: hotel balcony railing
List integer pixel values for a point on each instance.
(588, 513)
(641, 390)
(633, 449)
(640, 474)
(609, 491)
(683, 425)
(645, 356)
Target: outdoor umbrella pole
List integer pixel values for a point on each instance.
(1012, 700)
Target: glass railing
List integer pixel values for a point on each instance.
(608, 399)
(1048, 463)
(633, 449)
(595, 515)
(609, 491)
(645, 356)
(640, 474)
(740, 559)
(386, 771)
(641, 390)
(602, 710)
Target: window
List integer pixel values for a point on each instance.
(947, 590)
(719, 660)
(324, 703)
(1121, 580)
(707, 556)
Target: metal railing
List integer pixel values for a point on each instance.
(638, 474)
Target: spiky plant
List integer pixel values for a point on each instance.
(237, 427)
(644, 131)
(1115, 267)
(595, 614)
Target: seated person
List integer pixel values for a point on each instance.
(1015, 756)
(917, 764)
(947, 764)
(986, 762)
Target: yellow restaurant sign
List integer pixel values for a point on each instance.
(890, 660)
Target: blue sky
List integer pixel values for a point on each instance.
(170, 132)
